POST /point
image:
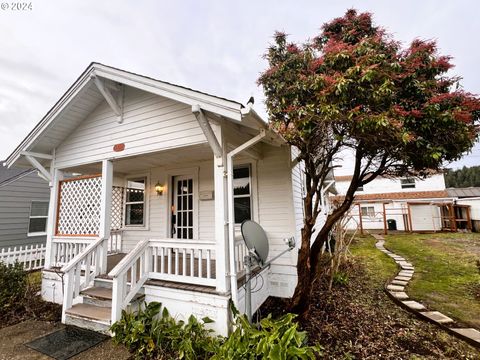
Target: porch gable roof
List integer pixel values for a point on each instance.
(83, 97)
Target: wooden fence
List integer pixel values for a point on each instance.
(32, 257)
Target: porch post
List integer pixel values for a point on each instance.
(221, 225)
(57, 176)
(105, 211)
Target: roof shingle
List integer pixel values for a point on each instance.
(407, 195)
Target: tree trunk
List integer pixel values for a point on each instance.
(299, 303)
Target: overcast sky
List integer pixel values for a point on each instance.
(213, 46)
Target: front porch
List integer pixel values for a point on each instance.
(118, 240)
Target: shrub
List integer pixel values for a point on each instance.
(13, 285)
(148, 334)
(340, 278)
(274, 339)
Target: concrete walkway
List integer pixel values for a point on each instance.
(396, 290)
(13, 338)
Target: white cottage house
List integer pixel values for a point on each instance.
(149, 184)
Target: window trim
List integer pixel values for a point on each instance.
(37, 233)
(145, 225)
(250, 195)
(367, 212)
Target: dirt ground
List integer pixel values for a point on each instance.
(470, 243)
(357, 320)
(13, 338)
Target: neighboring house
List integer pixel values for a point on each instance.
(24, 200)
(468, 197)
(405, 204)
(163, 177)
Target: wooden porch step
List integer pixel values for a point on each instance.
(92, 312)
(98, 292)
(103, 293)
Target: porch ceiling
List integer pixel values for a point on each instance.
(178, 156)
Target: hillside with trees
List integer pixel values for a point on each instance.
(465, 177)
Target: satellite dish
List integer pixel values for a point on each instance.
(255, 239)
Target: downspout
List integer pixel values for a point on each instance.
(231, 211)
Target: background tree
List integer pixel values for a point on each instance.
(354, 88)
(464, 177)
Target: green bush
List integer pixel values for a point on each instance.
(152, 333)
(149, 334)
(274, 339)
(13, 285)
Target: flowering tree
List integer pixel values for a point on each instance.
(354, 87)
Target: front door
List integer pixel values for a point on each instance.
(182, 207)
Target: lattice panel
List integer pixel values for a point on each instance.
(79, 206)
(117, 207)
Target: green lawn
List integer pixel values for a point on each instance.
(379, 266)
(446, 277)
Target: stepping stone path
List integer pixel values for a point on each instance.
(396, 288)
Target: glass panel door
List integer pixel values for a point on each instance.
(182, 208)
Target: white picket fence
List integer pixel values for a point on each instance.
(32, 257)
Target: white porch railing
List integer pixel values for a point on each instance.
(169, 259)
(183, 261)
(240, 252)
(88, 264)
(32, 257)
(65, 249)
(115, 242)
(133, 268)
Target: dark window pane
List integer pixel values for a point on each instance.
(184, 199)
(184, 233)
(134, 214)
(135, 190)
(185, 187)
(190, 186)
(179, 187)
(190, 202)
(178, 234)
(190, 233)
(243, 172)
(241, 181)
(179, 203)
(190, 218)
(242, 209)
(37, 225)
(184, 215)
(39, 208)
(179, 217)
(134, 195)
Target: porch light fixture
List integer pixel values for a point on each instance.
(159, 188)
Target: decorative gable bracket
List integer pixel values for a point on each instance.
(113, 94)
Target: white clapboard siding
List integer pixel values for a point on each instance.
(150, 123)
(276, 214)
(298, 186)
(32, 257)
